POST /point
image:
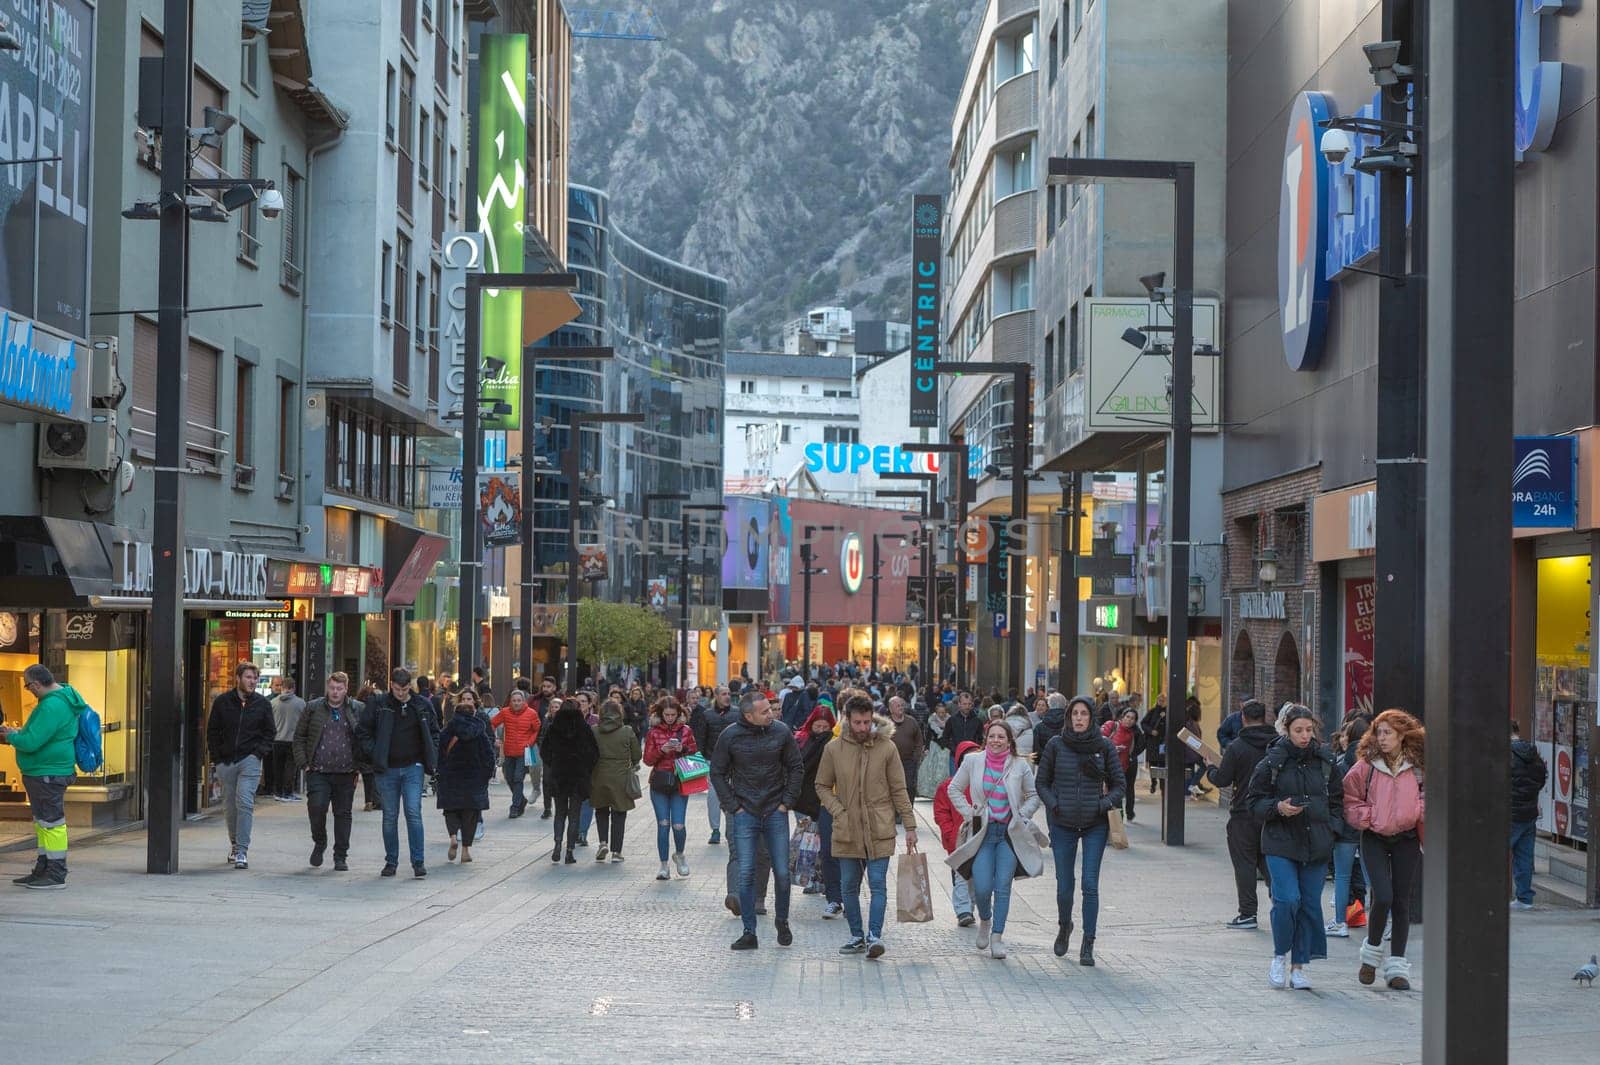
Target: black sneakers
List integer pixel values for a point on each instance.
(1242, 923)
(388, 870)
(38, 869)
(855, 946)
(340, 865)
(419, 870)
(1086, 952)
(1063, 939)
(785, 936)
(745, 942)
(316, 854)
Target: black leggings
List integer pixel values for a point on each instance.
(462, 824)
(610, 823)
(1391, 864)
(568, 808)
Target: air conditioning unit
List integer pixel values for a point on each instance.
(106, 388)
(88, 445)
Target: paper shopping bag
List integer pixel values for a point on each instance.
(1119, 832)
(912, 889)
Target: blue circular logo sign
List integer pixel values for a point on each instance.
(1303, 234)
(927, 215)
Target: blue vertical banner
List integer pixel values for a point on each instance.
(1544, 482)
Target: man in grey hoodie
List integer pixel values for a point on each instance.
(286, 711)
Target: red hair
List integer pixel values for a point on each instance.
(1412, 737)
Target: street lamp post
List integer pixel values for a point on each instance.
(573, 464)
(924, 512)
(644, 558)
(1181, 176)
(964, 487)
(683, 583)
(933, 509)
(1021, 411)
(1067, 582)
(806, 573)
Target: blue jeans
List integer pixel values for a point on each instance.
(714, 810)
(773, 827)
(832, 889)
(960, 893)
(670, 812)
(993, 868)
(1064, 842)
(877, 874)
(394, 787)
(585, 819)
(1344, 859)
(1297, 909)
(1523, 833)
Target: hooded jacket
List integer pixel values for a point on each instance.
(1310, 776)
(1049, 727)
(1383, 800)
(863, 785)
(756, 769)
(1021, 723)
(466, 763)
(944, 812)
(569, 753)
(619, 759)
(811, 749)
(44, 745)
(1528, 777)
(1239, 761)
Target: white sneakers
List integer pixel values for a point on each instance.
(682, 862)
(997, 947)
(983, 933)
(1337, 929)
(665, 873)
(1518, 904)
(1276, 975)
(1300, 980)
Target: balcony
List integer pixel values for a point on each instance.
(1009, 338)
(1012, 9)
(1016, 107)
(1014, 224)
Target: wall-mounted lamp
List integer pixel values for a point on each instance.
(1197, 594)
(1267, 566)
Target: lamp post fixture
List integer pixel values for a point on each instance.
(683, 584)
(933, 509)
(807, 571)
(572, 464)
(1067, 582)
(1181, 176)
(965, 488)
(1021, 445)
(877, 566)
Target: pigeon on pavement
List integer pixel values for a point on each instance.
(1588, 973)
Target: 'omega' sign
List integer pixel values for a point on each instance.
(850, 563)
(207, 573)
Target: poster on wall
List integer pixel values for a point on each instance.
(1543, 739)
(747, 542)
(592, 562)
(780, 534)
(500, 503)
(1359, 600)
(657, 593)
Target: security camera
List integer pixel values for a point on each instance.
(1336, 145)
(271, 203)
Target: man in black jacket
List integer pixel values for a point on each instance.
(1154, 727)
(326, 750)
(1528, 776)
(239, 735)
(1244, 829)
(756, 772)
(707, 723)
(396, 734)
(964, 726)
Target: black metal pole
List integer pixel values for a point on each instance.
(1067, 588)
(929, 642)
(165, 713)
(683, 604)
(1471, 308)
(876, 565)
(1178, 485)
(1017, 565)
(573, 464)
(963, 479)
(469, 639)
(805, 607)
(530, 433)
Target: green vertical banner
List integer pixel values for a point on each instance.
(502, 147)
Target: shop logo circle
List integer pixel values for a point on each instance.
(978, 536)
(1303, 234)
(850, 563)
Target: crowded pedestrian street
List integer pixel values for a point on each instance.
(512, 958)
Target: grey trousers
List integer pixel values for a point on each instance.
(239, 782)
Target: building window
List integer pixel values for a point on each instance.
(1049, 363)
(1074, 359)
(424, 142)
(402, 270)
(408, 95)
(287, 435)
(243, 401)
(435, 283)
(1014, 288)
(293, 258)
(1054, 46)
(835, 393)
(386, 286)
(390, 102)
(1090, 143)
(839, 434)
(249, 239)
(250, 64)
(451, 183)
(1049, 213)
(420, 302)
(1014, 56)
(205, 93)
(747, 388)
(1061, 348)
(202, 434)
(1013, 172)
(783, 436)
(441, 176)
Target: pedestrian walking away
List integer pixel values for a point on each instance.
(46, 758)
(669, 739)
(466, 765)
(756, 771)
(1244, 827)
(519, 725)
(1154, 727)
(1297, 792)
(396, 733)
(569, 753)
(993, 789)
(325, 749)
(614, 783)
(862, 783)
(240, 732)
(1528, 776)
(1080, 780)
(815, 735)
(1383, 797)
(286, 711)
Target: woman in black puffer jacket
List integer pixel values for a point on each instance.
(1297, 793)
(1079, 779)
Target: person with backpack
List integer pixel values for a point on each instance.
(1297, 793)
(1080, 780)
(240, 732)
(1154, 727)
(47, 747)
(1238, 763)
(1383, 797)
(707, 723)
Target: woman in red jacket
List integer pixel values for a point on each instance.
(1123, 732)
(1383, 798)
(951, 825)
(667, 741)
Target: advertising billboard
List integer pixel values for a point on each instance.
(502, 146)
(845, 551)
(780, 534)
(745, 547)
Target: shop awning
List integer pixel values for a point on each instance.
(52, 562)
(408, 558)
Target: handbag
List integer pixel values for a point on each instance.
(912, 889)
(664, 781)
(630, 785)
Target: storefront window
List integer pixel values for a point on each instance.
(108, 681)
(1562, 704)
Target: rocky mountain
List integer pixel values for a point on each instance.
(777, 143)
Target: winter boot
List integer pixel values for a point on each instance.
(997, 947)
(984, 927)
(1086, 952)
(1371, 958)
(37, 870)
(1397, 973)
(1063, 939)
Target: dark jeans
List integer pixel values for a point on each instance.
(566, 824)
(400, 789)
(515, 769)
(763, 866)
(369, 789)
(1064, 843)
(462, 824)
(339, 790)
(610, 824)
(909, 767)
(1244, 851)
(745, 829)
(285, 774)
(1523, 834)
(1127, 792)
(1391, 863)
(832, 881)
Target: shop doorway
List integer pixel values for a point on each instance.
(1286, 673)
(1242, 672)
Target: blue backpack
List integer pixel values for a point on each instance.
(87, 750)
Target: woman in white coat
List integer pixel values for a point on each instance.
(1003, 842)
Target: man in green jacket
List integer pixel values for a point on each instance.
(45, 756)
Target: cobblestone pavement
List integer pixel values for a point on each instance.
(515, 959)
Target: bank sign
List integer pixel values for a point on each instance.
(927, 252)
(1328, 212)
(1544, 483)
(853, 458)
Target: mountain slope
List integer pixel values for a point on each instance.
(777, 143)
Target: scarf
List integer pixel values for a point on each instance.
(994, 787)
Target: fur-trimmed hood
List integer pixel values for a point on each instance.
(882, 729)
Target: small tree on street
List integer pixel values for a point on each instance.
(620, 632)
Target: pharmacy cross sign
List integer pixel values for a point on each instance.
(1104, 566)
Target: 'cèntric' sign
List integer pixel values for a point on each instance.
(927, 239)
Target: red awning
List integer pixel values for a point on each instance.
(407, 580)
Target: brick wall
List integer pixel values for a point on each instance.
(1275, 514)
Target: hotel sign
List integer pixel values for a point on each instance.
(927, 252)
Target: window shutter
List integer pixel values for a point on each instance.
(201, 394)
(144, 385)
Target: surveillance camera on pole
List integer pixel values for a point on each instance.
(1336, 145)
(271, 203)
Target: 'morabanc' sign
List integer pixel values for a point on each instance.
(927, 239)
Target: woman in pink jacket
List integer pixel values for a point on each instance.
(1383, 798)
